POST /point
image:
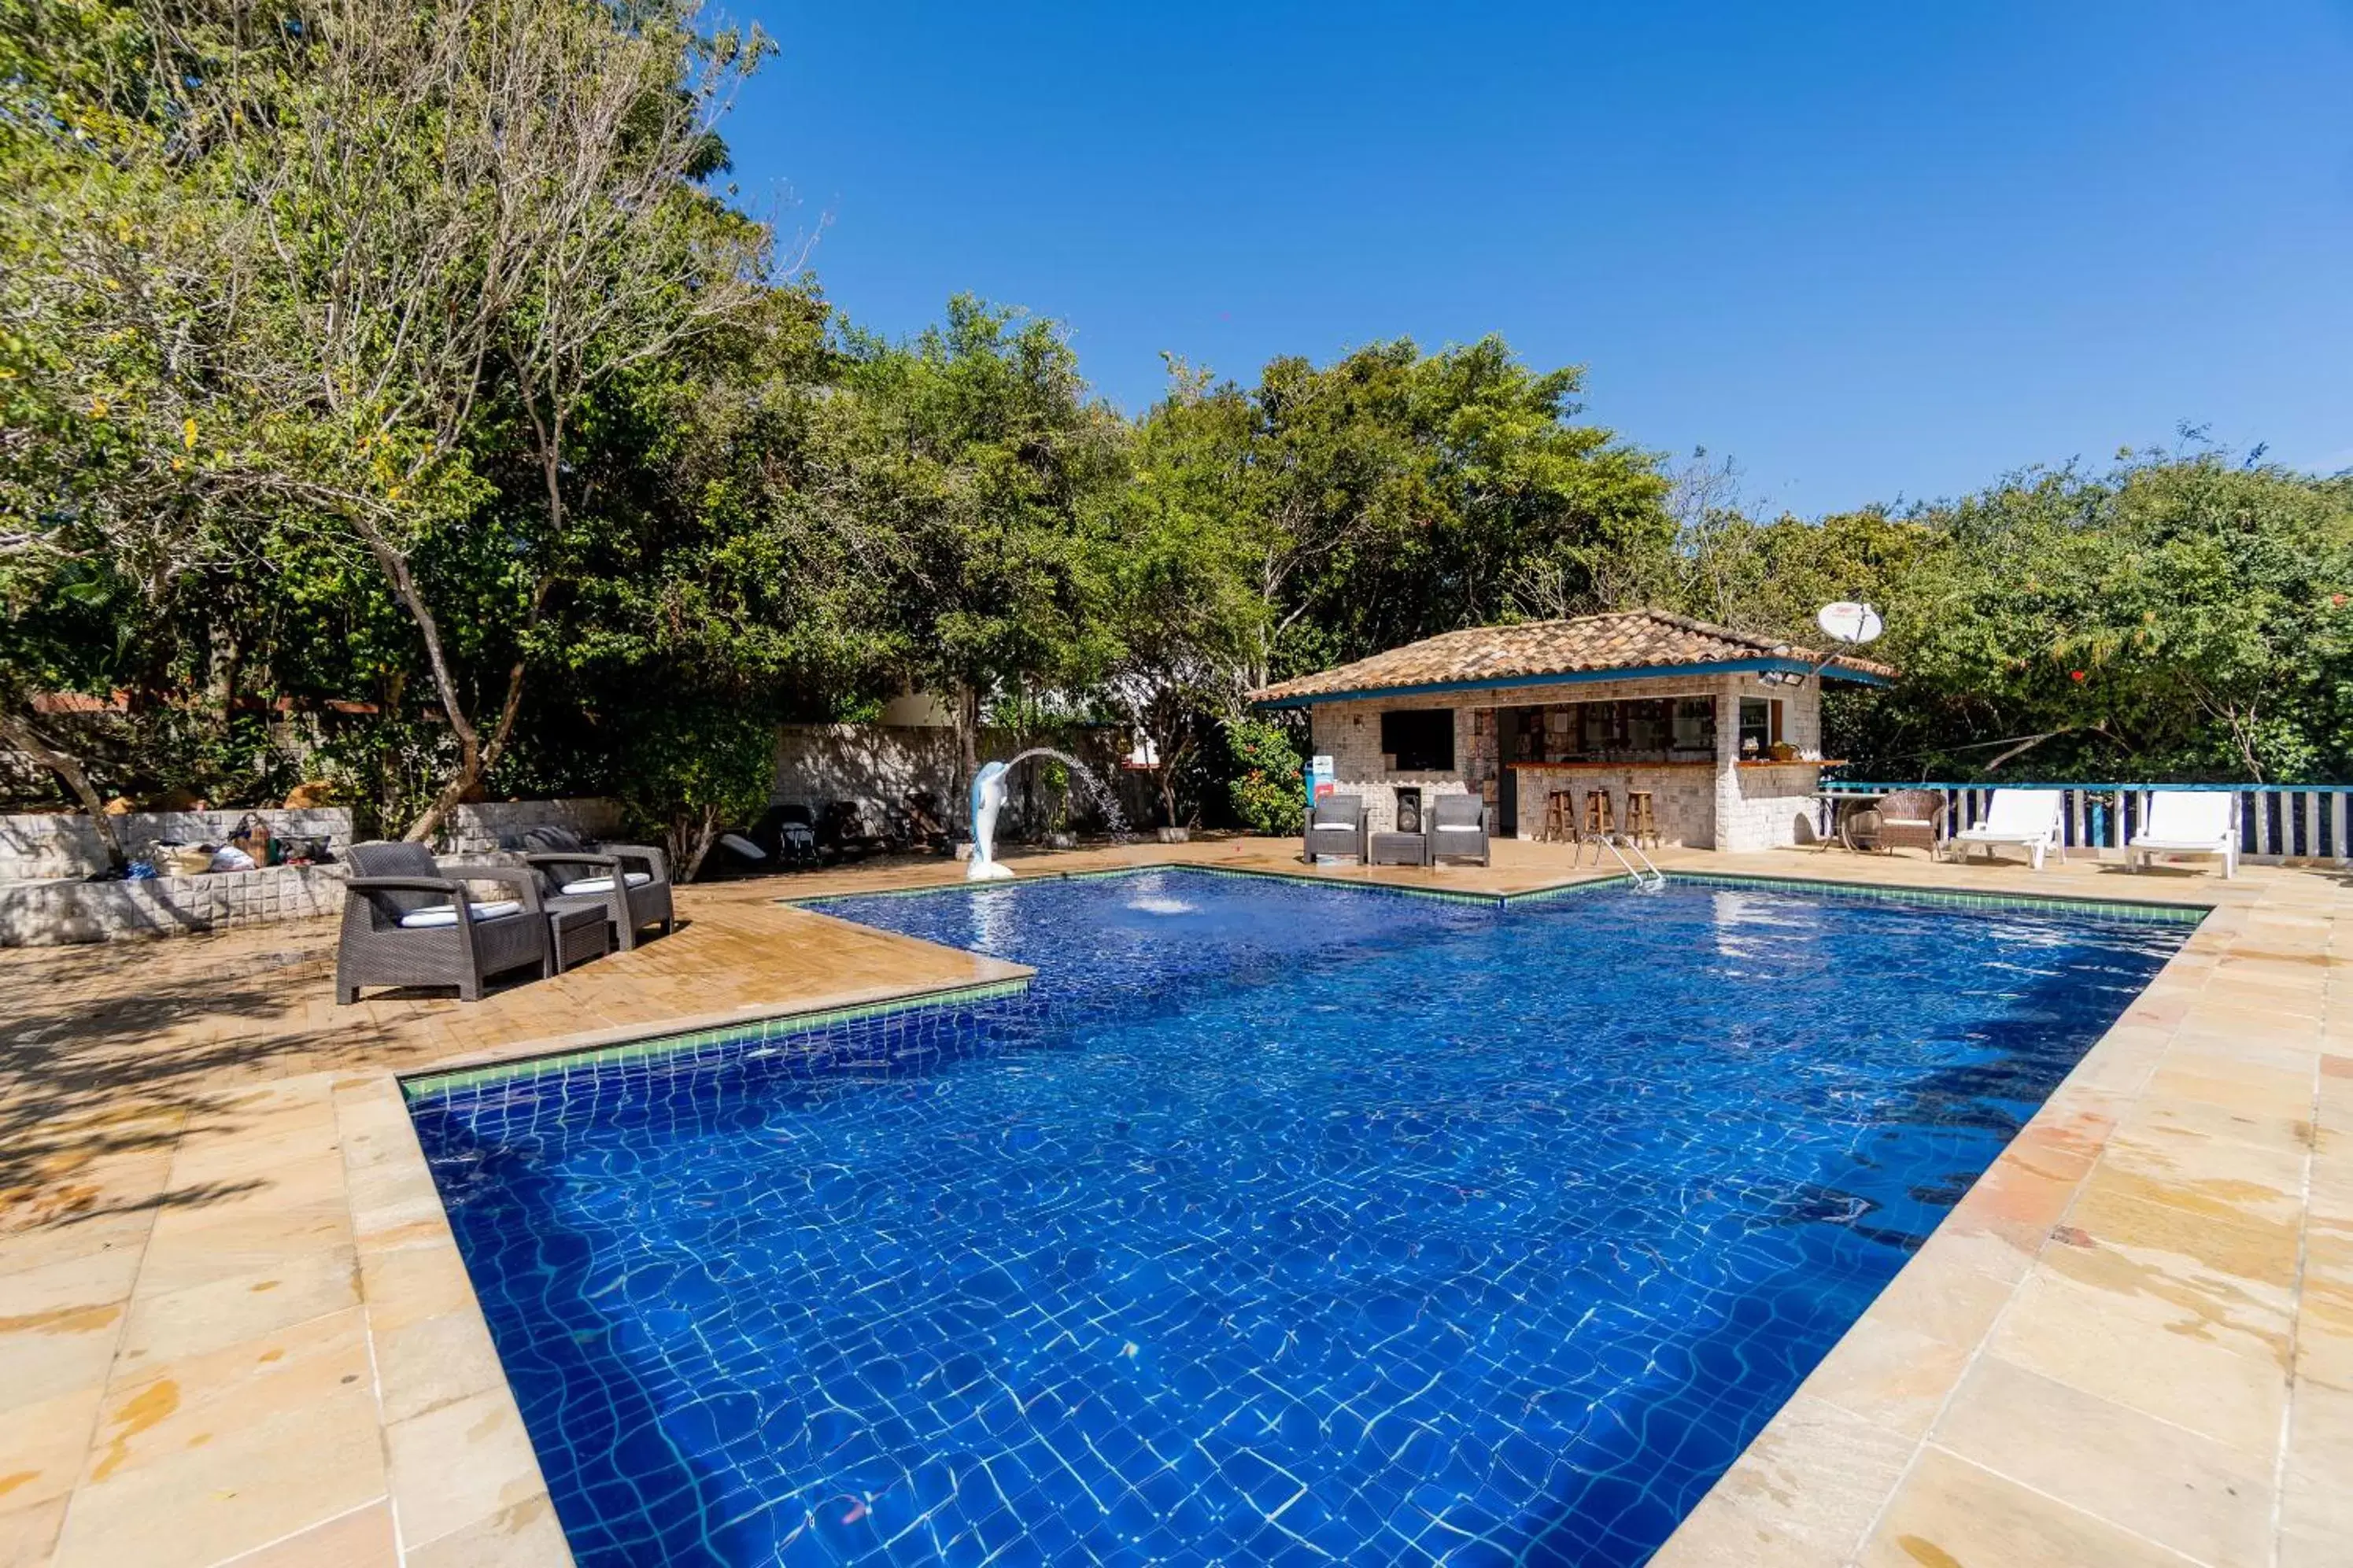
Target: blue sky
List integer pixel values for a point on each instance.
(1869, 251)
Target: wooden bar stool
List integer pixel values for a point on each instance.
(1641, 821)
(1560, 816)
(1598, 823)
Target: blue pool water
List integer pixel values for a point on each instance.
(1277, 1224)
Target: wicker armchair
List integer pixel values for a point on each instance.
(630, 882)
(1458, 829)
(1337, 825)
(384, 942)
(1911, 819)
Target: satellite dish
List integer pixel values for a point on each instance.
(1847, 621)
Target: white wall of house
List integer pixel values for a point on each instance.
(1735, 805)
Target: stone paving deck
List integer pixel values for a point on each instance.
(234, 1327)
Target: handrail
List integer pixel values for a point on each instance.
(1648, 880)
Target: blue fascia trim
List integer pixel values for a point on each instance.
(1583, 677)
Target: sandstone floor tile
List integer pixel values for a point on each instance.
(314, 1176)
(59, 1325)
(2315, 1519)
(29, 1534)
(226, 1312)
(70, 1239)
(409, 1285)
(1805, 1490)
(2133, 1217)
(2247, 1088)
(2189, 1492)
(42, 1447)
(1950, 1513)
(191, 1249)
(1893, 1376)
(2213, 1366)
(2320, 1429)
(361, 1539)
(2211, 1176)
(2158, 1116)
(246, 1485)
(525, 1534)
(460, 1464)
(65, 1287)
(183, 1404)
(432, 1362)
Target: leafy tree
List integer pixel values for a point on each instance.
(1179, 605)
(1393, 495)
(339, 267)
(962, 465)
(2181, 617)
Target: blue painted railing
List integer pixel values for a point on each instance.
(2276, 822)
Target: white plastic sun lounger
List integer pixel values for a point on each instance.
(2190, 822)
(2025, 819)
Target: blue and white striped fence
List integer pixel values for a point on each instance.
(2276, 822)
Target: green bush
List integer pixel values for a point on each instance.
(691, 771)
(1265, 785)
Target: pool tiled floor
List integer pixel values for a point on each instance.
(234, 1327)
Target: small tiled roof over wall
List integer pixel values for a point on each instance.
(1627, 640)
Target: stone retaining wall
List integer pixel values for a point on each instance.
(53, 843)
(473, 831)
(54, 914)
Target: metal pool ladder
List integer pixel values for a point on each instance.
(1648, 878)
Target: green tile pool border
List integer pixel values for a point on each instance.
(2149, 911)
(653, 1047)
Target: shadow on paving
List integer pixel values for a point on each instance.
(111, 1052)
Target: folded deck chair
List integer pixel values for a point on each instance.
(1335, 826)
(2027, 819)
(2188, 822)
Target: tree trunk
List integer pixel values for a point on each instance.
(20, 733)
(474, 760)
(689, 842)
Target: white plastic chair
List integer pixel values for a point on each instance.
(2188, 822)
(2025, 819)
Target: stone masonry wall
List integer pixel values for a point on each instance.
(1766, 807)
(1350, 733)
(473, 831)
(59, 844)
(48, 914)
(1732, 807)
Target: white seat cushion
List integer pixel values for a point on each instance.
(605, 884)
(446, 914)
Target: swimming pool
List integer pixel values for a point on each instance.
(1276, 1223)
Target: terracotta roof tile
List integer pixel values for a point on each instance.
(1627, 639)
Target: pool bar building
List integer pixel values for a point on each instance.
(1721, 731)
